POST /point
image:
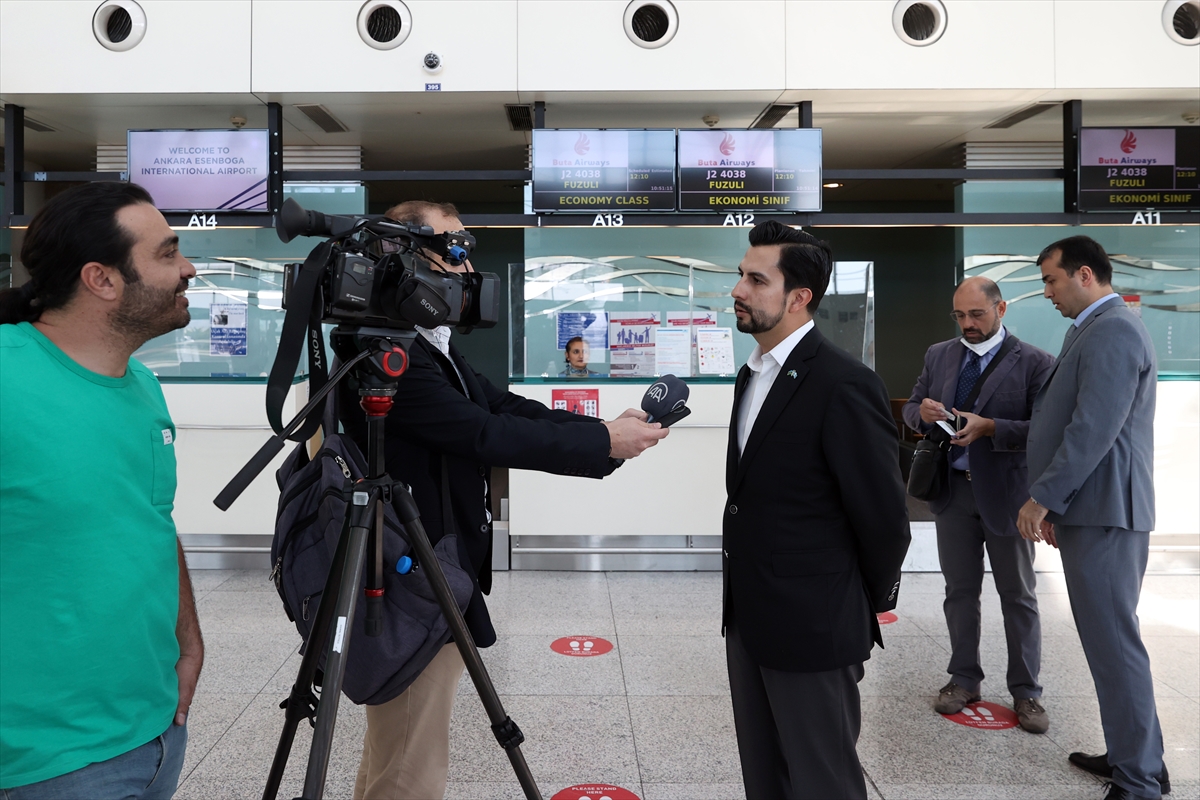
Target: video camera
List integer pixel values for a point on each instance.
(375, 276)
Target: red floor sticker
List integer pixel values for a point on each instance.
(581, 646)
(985, 715)
(887, 618)
(595, 791)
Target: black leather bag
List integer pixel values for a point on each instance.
(930, 465)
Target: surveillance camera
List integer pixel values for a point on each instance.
(432, 62)
(238, 122)
(710, 120)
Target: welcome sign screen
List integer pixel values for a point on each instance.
(201, 170)
(603, 170)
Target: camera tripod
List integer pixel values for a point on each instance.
(381, 359)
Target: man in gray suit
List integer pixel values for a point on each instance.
(1091, 494)
(982, 490)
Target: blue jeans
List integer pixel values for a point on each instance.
(149, 772)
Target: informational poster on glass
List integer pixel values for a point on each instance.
(201, 170)
(715, 348)
(603, 170)
(631, 343)
(1135, 169)
(227, 329)
(672, 353)
(591, 325)
(755, 170)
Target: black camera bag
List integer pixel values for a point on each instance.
(309, 522)
(930, 463)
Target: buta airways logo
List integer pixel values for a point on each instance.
(582, 145)
(728, 145)
(1129, 143)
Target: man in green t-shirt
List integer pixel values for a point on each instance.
(100, 647)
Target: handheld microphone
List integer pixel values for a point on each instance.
(666, 401)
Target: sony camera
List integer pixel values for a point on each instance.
(374, 276)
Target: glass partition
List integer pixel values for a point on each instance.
(637, 314)
(1156, 269)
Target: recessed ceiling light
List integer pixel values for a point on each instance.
(832, 185)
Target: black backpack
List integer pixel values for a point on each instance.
(312, 509)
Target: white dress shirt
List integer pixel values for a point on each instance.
(764, 369)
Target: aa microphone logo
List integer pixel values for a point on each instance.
(657, 392)
(582, 144)
(728, 145)
(1129, 143)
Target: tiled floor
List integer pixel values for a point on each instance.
(653, 716)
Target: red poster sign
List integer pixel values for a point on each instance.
(581, 646)
(585, 402)
(594, 791)
(985, 715)
(886, 618)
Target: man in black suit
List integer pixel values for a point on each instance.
(815, 529)
(448, 416)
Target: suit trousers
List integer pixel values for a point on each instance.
(1104, 569)
(962, 537)
(406, 750)
(796, 731)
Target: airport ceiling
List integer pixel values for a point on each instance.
(863, 129)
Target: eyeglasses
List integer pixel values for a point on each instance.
(974, 313)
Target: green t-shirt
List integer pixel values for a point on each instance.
(89, 577)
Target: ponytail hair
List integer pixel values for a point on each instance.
(76, 227)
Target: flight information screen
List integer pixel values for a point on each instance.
(1134, 169)
(750, 170)
(603, 170)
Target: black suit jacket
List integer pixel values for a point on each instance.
(816, 524)
(478, 429)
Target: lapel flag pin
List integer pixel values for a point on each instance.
(791, 373)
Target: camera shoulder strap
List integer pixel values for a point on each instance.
(302, 322)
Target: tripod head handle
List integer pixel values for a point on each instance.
(248, 473)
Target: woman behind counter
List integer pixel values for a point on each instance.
(577, 355)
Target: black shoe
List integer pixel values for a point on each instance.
(1116, 792)
(1098, 765)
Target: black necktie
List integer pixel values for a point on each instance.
(966, 382)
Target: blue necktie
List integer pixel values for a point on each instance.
(966, 382)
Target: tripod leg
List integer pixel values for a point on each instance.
(507, 733)
(361, 510)
(302, 699)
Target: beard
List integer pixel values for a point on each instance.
(760, 320)
(977, 335)
(145, 313)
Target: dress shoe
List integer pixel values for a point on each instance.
(952, 698)
(1121, 793)
(1098, 765)
(1031, 715)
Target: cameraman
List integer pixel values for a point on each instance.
(100, 648)
(448, 415)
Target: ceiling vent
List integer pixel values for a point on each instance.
(40, 127)
(919, 22)
(1181, 21)
(1010, 155)
(320, 115)
(520, 118)
(651, 23)
(771, 115)
(384, 24)
(321, 156)
(111, 158)
(119, 25)
(1022, 115)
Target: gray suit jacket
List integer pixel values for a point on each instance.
(1091, 439)
(998, 472)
